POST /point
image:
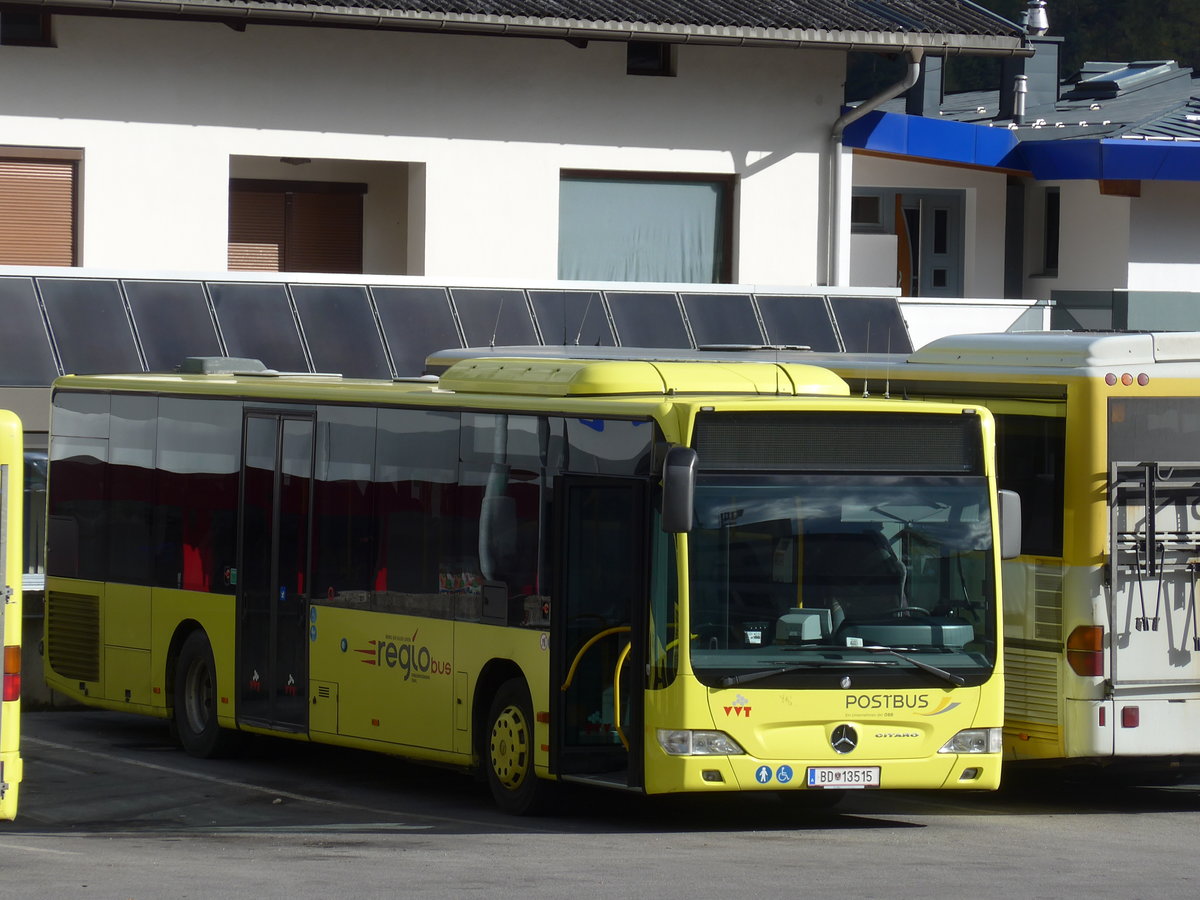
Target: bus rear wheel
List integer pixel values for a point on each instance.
(508, 752)
(196, 700)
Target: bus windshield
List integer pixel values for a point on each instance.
(808, 580)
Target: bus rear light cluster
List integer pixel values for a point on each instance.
(1126, 379)
(12, 673)
(1085, 650)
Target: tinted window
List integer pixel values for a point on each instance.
(1153, 429)
(340, 329)
(1030, 453)
(416, 322)
(79, 310)
(344, 553)
(131, 494)
(25, 355)
(571, 317)
(648, 320)
(172, 321)
(722, 319)
(798, 322)
(500, 491)
(77, 526)
(199, 452)
(422, 566)
(608, 446)
(256, 321)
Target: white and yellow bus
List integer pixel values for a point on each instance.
(11, 501)
(1101, 623)
(663, 577)
(1101, 628)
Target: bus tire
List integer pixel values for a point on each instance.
(195, 713)
(508, 746)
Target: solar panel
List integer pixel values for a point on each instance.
(871, 325)
(257, 323)
(572, 317)
(645, 319)
(172, 321)
(416, 321)
(340, 330)
(25, 354)
(81, 309)
(722, 319)
(493, 317)
(798, 321)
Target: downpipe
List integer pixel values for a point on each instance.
(834, 275)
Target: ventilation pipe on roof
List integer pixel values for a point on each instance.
(837, 208)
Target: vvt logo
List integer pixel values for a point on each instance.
(740, 707)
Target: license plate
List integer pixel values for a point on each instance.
(843, 776)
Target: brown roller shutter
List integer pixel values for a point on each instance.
(256, 231)
(325, 233)
(37, 212)
(295, 226)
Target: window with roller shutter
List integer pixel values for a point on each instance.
(37, 211)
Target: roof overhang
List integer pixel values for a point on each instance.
(923, 139)
(1114, 159)
(245, 12)
(935, 140)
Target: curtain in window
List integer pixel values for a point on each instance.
(640, 230)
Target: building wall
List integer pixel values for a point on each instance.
(1164, 244)
(1094, 240)
(984, 193)
(461, 139)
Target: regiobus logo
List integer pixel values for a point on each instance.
(404, 653)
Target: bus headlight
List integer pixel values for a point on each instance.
(975, 740)
(679, 742)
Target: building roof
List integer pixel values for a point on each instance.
(1111, 121)
(1142, 99)
(938, 26)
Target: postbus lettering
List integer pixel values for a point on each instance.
(886, 701)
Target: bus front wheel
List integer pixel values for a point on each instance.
(196, 700)
(508, 752)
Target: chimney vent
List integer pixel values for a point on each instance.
(1036, 20)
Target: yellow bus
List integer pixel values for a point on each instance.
(1101, 630)
(11, 499)
(1101, 637)
(661, 577)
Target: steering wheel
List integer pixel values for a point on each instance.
(909, 610)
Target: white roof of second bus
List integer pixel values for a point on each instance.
(1060, 350)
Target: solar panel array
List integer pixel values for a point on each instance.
(55, 325)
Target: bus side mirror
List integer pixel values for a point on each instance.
(679, 490)
(1010, 524)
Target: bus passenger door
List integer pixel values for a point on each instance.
(273, 560)
(598, 619)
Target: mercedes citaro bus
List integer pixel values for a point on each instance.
(657, 576)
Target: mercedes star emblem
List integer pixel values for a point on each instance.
(844, 739)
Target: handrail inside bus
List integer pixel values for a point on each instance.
(587, 646)
(617, 694)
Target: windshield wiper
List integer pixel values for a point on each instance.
(952, 677)
(731, 680)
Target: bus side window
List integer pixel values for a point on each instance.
(1030, 455)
